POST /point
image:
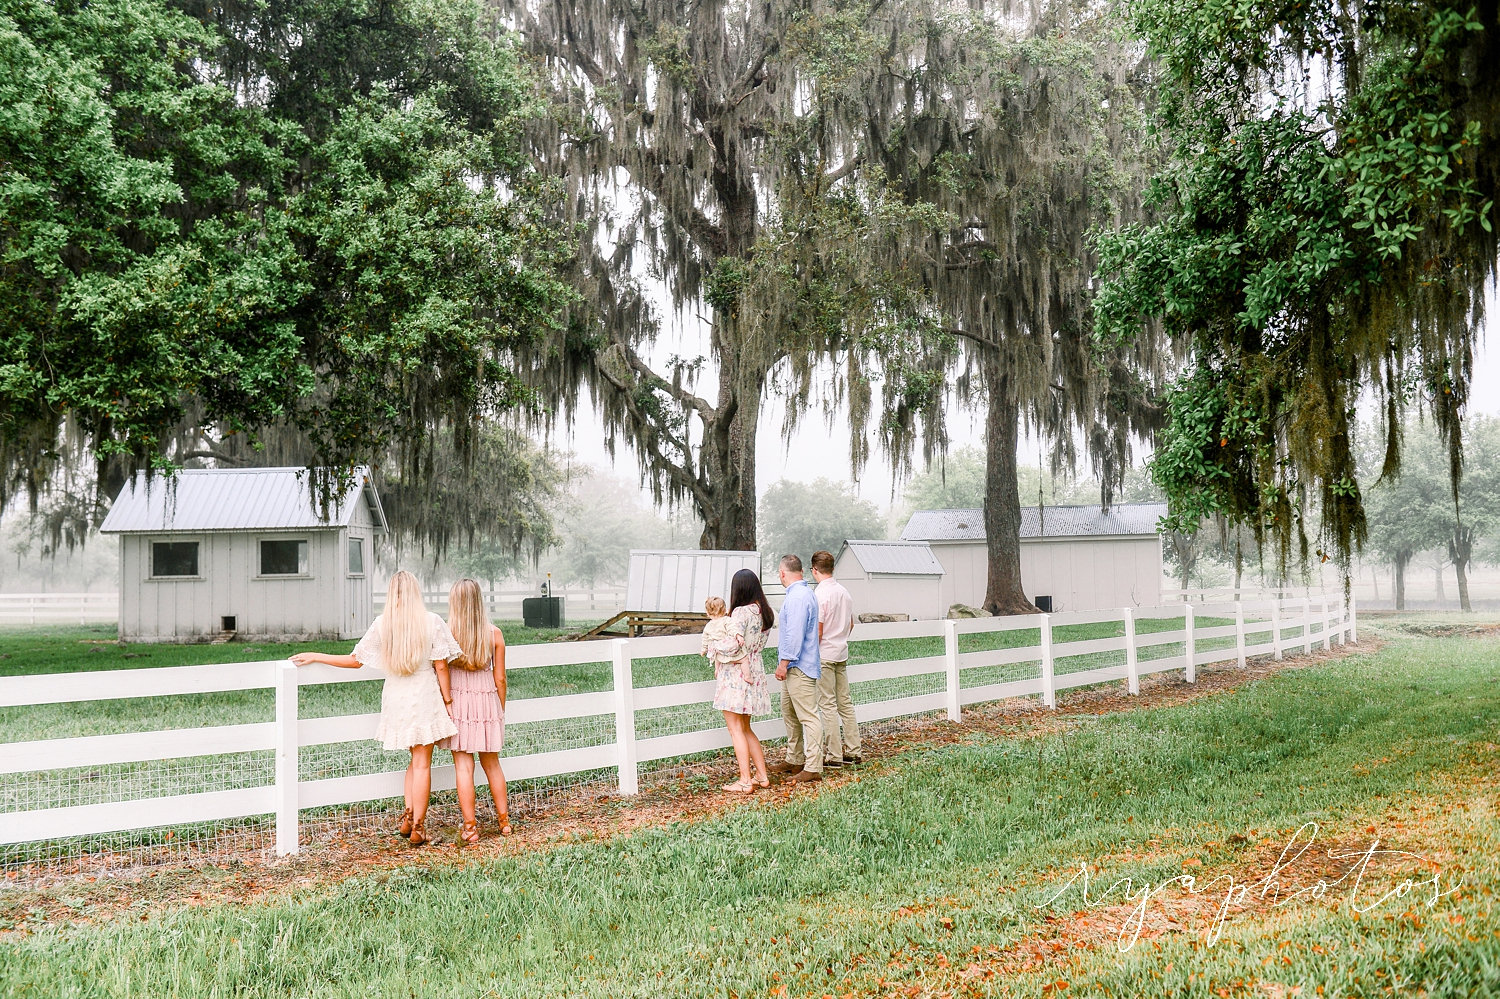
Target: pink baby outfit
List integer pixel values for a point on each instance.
(476, 709)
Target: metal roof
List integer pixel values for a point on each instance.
(233, 499)
(1123, 520)
(895, 558)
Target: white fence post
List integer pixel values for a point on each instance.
(1132, 654)
(1276, 627)
(1049, 690)
(1323, 616)
(286, 759)
(1239, 632)
(1187, 627)
(630, 781)
(1306, 626)
(1353, 621)
(950, 657)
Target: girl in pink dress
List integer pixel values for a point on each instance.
(478, 683)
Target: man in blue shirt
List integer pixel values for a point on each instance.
(798, 671)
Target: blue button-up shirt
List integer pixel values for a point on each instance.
(798, 642)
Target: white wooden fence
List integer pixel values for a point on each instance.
(50, 608)
(1309, 621)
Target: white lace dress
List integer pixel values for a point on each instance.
(412, 712)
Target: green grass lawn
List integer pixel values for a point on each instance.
(924, 877)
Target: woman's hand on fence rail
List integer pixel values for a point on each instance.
(327, 659)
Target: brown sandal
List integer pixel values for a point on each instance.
(504, 823)
(403, 827)
(418, 835)
(468, 833)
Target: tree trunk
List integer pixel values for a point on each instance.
(1461, 549)
(1441, 595)
(728, 460)
(1461, 566)
(1400, 583)
(1004, 592)
(1375, 582)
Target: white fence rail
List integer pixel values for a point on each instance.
(1250, 591)
(1150, 640)
(50, 608)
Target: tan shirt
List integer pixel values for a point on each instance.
(836, 615)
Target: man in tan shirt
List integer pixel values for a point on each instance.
(835, 622)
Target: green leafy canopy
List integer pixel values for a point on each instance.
(1324, 226)
(295, 214)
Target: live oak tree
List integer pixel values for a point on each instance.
(1325, 226)
(860, 183)
(296, 220)
(1029, 138)
(713, 148)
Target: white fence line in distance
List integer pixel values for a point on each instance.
(104, 608)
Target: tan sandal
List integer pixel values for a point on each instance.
(764, 780)
(468, 833)
(419, 835)
(403, 827)
(504, 823)
(739, 787)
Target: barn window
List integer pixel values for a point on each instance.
(174, 558)
(283, 558)
(356, 557)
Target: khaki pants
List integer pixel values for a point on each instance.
(836, 709)
(804, 729)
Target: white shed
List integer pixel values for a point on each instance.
(679, 582)
(243, 551)
(1081, 557)
(892, 577)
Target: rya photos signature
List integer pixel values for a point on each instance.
(1373, 877)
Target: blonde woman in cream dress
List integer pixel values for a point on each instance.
(412, 647)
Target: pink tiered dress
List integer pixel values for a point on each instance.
(476, 709)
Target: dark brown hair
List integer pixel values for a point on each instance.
(744, 589)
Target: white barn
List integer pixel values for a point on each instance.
(678, 582)
(1078, 556)
(892, 577)
(244, 552)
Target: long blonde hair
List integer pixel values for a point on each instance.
(404, 628)
(470, 624)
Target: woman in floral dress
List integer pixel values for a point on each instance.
(742, 688)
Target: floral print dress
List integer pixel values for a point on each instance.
(734, 649)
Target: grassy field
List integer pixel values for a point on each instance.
(930, 875)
